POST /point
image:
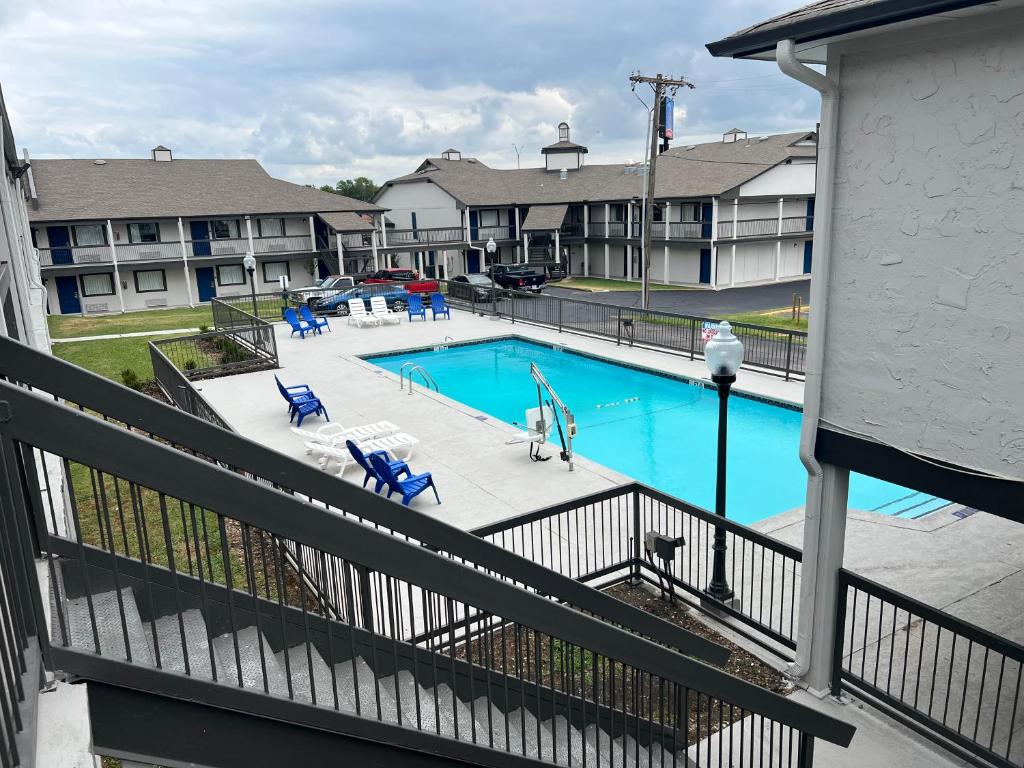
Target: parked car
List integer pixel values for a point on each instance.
(329, 286)
(396, 296)
(472, 288)
(409, 278)
(517, 277)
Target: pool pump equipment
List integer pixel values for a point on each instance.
(657, 545)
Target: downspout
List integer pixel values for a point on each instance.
(785, 57)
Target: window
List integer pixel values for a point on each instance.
(150, 281)
(98, 284)
(231, 274)
(221, 229)
(90, 234)
(618, 212)
(144, 232)
(275, 269)
(270, 227)
(488, 218)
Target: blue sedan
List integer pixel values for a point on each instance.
(396, 297)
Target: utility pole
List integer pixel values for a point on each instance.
(660, 84)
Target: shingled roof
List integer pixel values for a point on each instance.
(705, 170)
(71, 190)
(830, 18)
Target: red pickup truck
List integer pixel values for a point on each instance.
(409, 278)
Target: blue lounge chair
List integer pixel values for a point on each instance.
(416, 307)
(398, 466)
(438, 307)
(296, 324)
(307, 407)
(311, 319)
(410, 488)
(297, 393)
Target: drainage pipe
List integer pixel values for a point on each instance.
(785, 57)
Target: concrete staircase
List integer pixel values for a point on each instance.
(395, 698)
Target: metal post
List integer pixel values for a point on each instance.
(693, 336)
(618, 328)
(366, 593)
(837, 644)
(637, 535)
(805, 758)
(719, 588)
(252, 291)
(560, 303)
(789, 353)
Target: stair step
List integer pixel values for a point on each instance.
(524, 724)
(496, 724)
(453, 708)
(348, 675)
(298, 664)
(611, 752)
(107, 611)
(566, 735)
(197, 643)
(249, 641)
(627, 747)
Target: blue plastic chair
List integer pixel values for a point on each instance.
(297, 327)
(306, 408)
(410, 488)
(398, 466)
(416, 307)
(313, 320)
(297, 393)
(438, 306)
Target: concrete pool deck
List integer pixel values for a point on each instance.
(972, 567)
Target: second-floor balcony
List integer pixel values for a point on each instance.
(498, 232)
(426, 236)
(168, 250)
(773, 227)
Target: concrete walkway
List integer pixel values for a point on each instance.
(170, 332)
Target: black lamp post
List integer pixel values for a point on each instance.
(249, 262)
(723, 355)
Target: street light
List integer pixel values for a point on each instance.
(249, 262)
(492, 247)
(723, 355)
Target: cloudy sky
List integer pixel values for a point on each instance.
(319, 91)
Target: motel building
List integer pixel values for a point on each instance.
(737, 211)
(129, 234)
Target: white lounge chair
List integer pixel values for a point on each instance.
(338, 453)
(393, 443)
(357, 314)
(379, 309)
(334, 433)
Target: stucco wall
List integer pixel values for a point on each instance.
(433, 206)
(925, 341)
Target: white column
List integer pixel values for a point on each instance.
(117, 272)
(383, 232)
(526, 248)
(184, 260)
(607, 224)
(465, 224)
(312, 245)
(341, 253)
(629, 247)
(668, 220)
(558, 248)
(778, 246)
(248, 234)
(735, 234)
(586, 235)
(607, 260)
(714, 236)
(373, 250)
(665, 276)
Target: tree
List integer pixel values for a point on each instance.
(360, 188)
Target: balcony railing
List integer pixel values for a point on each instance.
(616, 229)
(79, 254)
(282, 244)
(572, 229)
(359, 240)
(431, 236)
(499, 232)
(170, 249)
(797, 224)
(689, 230)
(147, 251)
(728, 230)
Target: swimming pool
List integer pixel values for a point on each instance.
(660, 430)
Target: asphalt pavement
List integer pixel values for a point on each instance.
(703, 303)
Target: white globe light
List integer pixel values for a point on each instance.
(491, 245)
(249, 262)
(724, 352)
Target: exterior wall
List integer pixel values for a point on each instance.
(433, 206)
(556, 161)
(923, 323)
(795, 179)
(22, 292)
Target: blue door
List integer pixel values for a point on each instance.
(204, 283)
(322, 269)
(200, 232)
(60, 243)
(810, 215)
(808, 255)
(705, 266)
(472, 261)
(707, 211)
(474, 225)
(67, 295)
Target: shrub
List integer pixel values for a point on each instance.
(204, 329)
(191, 365)
(131, 379)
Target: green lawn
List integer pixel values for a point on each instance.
(600, 284)
(69, 326)
(108, 357)
(775, 318)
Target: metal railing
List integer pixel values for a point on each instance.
(426, 236)
(616, 229)
(175, 384)
(599, 538)
(772, 349)
(498, 232)
(728, 230)
(79, 254)
(797, 224)
(171, 250)
(688, 230)
(573, 229)
(282, 244)
(358, 239)
(161, 534)
(161, 251)
(946, 676)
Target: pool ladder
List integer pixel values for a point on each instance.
(428, 380)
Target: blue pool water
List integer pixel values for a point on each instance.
(656, 429)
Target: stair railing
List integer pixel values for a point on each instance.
(516, 649)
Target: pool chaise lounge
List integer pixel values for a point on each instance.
(337, 453)
(357, 314)
(379, 310)
(334, 433)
